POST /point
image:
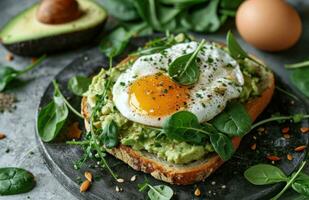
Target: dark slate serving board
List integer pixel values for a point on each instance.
(225, 183)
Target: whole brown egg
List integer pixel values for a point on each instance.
(271, 25)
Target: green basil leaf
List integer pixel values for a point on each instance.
(263, 174)
(114, 44)
(234, 48)
(79, 85)
(233, 121)
(52, 117)
(184, 69)
(183, 126)
(121, 9)
(222, 145)
(15, 181)
(299, 78)
(301, 184)
(7, 74)
(160, 192)
(110, 134)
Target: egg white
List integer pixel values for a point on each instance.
(217, 70)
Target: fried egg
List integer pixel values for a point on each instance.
(145, 93)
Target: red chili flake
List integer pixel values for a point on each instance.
(304, 129)
(300, 148)
(285, 130)
(273, 158)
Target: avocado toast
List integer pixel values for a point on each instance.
(176, 162)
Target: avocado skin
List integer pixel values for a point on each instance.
(54, 44)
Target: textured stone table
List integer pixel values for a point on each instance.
(19, 149)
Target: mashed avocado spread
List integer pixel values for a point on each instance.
(141, 137)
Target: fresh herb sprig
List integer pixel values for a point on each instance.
(184, 69)
(53, 116)
(158, 192)
(8, 74)
(264, 174)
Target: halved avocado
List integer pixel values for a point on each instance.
(25, 35)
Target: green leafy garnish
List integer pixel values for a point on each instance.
(114, 44)
(233, 121)
(110, 134)
(79, 85)
(299, 78)
(264, 174)
(235, 49)
(158, 192)
(53, 116)
(8, 74)
(222, 145)
(184, 69)
(15, 181)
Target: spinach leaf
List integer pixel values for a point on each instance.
(222, 145)
(114, 44)
(263, 174)
(210, 22)
(110, 134)
(184, 69)
(79, 85)
(231, 5)
(52, 117)
(299, 78)
(234, 48)
(8, 74)
(121, 9)
(160, 192)
(301, 184)
(234, 120)
(147, 11)
(15, 181)
(184, 126)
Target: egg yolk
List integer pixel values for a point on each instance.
(157, 95)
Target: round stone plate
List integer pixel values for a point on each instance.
(226, 183)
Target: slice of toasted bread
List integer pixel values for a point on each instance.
(183, 174)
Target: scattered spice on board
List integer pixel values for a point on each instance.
(7, 102)
(300, 148)
(84, 186)
(197, 192)
(285, 130)
(88, 176)
(2, 136)
(304, 129)
(9, 57)
(289, 157)
(253, 147)
(286, 136)
(273, 158)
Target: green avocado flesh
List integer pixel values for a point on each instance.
(25, 26)
(141, 137)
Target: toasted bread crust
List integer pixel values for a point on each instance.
(183, 174)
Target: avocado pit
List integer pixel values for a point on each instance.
(58, 11)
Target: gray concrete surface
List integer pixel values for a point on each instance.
(19, 124)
